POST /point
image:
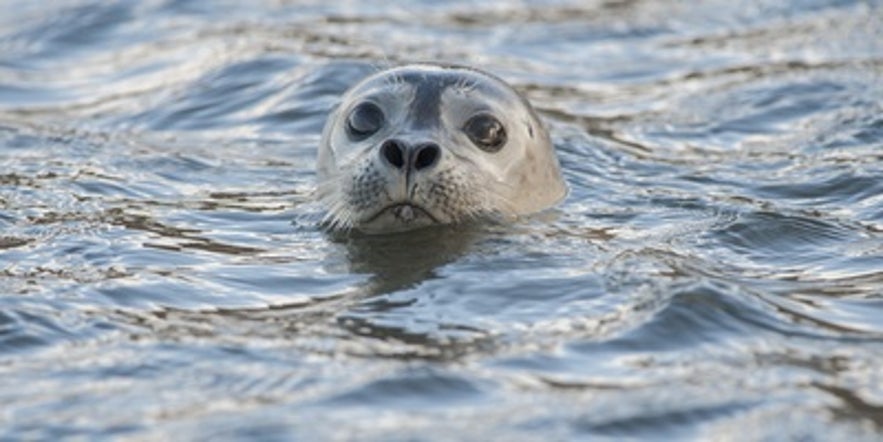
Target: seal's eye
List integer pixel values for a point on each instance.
(364, 120)
(486, 132)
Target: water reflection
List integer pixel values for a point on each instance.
(404, 260)
(715, 270)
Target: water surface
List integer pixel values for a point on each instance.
(716, 271)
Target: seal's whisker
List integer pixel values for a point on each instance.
(342, 213)
(330, 187)
(394, 80)
(468, 85)
(338, 221)
(384, 64)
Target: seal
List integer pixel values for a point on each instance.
(429, 144)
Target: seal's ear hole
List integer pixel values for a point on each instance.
(364, 120)
(486, 132)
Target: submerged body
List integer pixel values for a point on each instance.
(426, 144)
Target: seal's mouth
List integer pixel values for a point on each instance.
(404, 213)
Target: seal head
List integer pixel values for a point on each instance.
(426, 144)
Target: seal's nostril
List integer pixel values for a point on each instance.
(399, 155)
(394, 153)
(427, 155)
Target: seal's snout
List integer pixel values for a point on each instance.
(410, 157)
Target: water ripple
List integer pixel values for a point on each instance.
(714, 271)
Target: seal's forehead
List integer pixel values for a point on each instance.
(423, 87)
(429, 81)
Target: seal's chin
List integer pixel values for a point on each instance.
(397, 218)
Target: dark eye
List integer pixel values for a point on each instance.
(486, 132)
(364, 120)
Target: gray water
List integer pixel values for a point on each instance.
(716, 271)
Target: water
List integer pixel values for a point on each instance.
(715, 273)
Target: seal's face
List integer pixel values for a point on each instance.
(426, 144)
